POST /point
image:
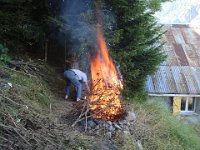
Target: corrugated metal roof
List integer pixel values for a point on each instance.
(180, 73)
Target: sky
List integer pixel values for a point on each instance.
(179, 12)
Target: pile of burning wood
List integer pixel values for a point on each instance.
(103, 107)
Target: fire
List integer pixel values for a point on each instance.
(105, 100)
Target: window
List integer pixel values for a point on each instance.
(187, 104)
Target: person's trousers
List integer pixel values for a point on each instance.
(72, 78)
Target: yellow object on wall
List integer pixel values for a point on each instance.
(176, 105)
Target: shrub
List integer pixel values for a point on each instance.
(4, 54)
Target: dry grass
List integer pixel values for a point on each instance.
(157, 129)
(26, 121)
(20, 127)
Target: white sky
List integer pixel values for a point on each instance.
(179, 12)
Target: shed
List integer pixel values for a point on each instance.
(178, 78)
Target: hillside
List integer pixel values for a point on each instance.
(117, 46)
(34, 115)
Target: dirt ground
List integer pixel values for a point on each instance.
(63, 116)
(35, 116)
(23, 127)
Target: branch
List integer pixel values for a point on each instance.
(12, 120)
(82, 114)
(22, 137)
(19, 72)
(86, 112)
(13, 101)
(11, 128)
(3, 138)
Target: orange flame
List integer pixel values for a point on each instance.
(106, 87)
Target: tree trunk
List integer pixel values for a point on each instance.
(46, 50)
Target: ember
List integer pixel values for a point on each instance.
(105, 100)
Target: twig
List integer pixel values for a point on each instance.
(6, 127)
(86, 122)
(12, 101)
(86, 104)
(3, 145)
(50, 108)
(45, 139)
(14, 129)
(12, 120)
(3, 138)
(96, 83)
(84, 112)
(22, 137)
(80, 120)
(86, 119)
(92, 115)
(19, 71)
(18, 63)
(77, 120)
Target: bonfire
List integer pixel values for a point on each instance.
(105, 102)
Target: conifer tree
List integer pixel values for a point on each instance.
(135, 42)
(22, 22)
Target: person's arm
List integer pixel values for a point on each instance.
(119, 73)
(87, 86)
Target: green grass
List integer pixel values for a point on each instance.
(157, 129)
(196, 128)
(31, 89)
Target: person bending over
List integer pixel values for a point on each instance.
(76, 78)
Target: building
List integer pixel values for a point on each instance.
(177, 79)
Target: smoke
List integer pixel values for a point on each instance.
(81, 17)
(80, 21)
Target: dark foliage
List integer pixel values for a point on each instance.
(134, 41)
(22, 22)
(132, 33)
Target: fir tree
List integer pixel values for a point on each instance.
(22, 22)
(135, 42)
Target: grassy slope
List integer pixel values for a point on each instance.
(38, 125)
(158, 129)
(32, 113)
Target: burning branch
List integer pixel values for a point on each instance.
(104, 101)
(88, 110)
(86, 113)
